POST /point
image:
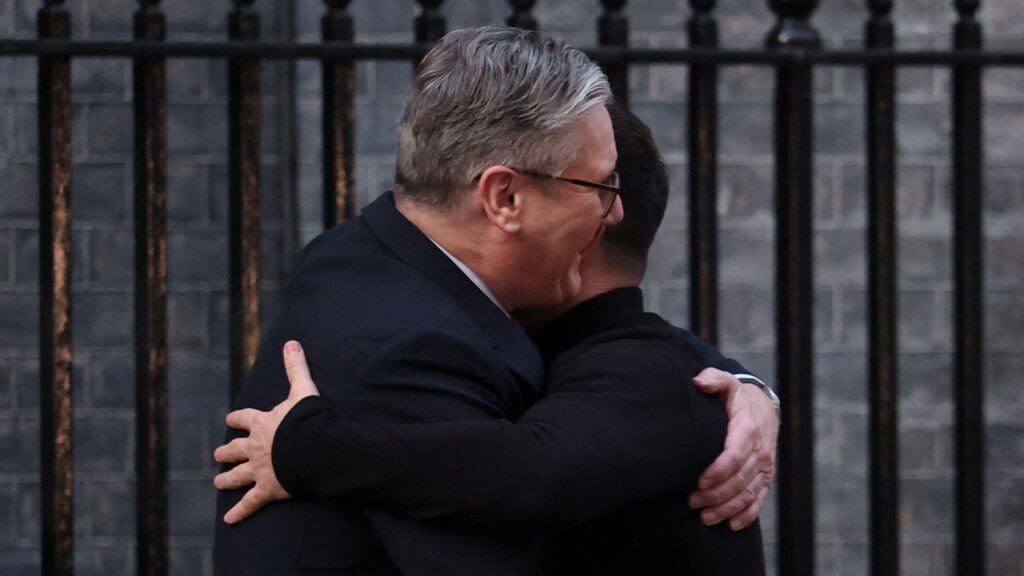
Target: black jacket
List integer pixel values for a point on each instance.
(393, 328)
(603, 463)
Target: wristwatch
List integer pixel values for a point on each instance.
(772, 396)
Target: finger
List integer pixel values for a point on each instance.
(238, 477)
(295, 365)
(740, 441)
(712, 380)
(242, 419)
(750, 513)
(745, 498)
(766, 456)
(728, 463)
(732, 487)
(247, 506)
(232, 452)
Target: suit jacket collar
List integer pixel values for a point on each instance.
(414, 248)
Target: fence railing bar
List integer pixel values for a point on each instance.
(339, 89)
(612, 55)
(288, 116)
(968, 383)
(55, 347)
(244, 192)
(794, 193)
(882, 295)
(613, 31)
(794, 52)
(703, 177)
(151, 420)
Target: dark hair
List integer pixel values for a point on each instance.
(643, 180)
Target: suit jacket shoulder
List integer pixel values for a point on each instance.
(389, 322)
(364, 287)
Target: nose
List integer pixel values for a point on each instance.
(616, 214)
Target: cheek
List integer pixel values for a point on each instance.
(583, 230)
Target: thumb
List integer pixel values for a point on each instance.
(710, 381)
(295, 365)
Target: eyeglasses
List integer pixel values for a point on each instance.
(606, 193)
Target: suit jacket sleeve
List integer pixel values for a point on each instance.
(606, 435)
(425, 375)
(711, 355)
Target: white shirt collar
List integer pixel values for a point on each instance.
(472, 277)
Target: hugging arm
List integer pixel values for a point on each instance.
(422, 375)
(735, 485)
(565, 462)
(709, 355)
(598, 441)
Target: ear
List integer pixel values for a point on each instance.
(501, 198)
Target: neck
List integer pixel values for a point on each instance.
(466, 234)
(599, 276)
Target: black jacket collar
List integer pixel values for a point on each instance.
(415, 249)
(589, 317)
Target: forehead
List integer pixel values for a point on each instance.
(596, 144)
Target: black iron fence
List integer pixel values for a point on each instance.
(792, 49)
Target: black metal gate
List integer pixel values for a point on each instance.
(792, 49)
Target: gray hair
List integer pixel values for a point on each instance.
(492, 96)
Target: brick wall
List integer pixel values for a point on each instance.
(197, 184)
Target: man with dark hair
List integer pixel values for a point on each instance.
(602, 464)
(643, 179)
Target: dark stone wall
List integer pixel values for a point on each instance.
(197, 228)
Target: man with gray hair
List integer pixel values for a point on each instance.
(505, 179)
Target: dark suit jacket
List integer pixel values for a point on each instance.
(393, 329)
(608, 456)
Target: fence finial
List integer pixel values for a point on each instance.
(702, 7)
(150, 23)
(613, 30)
(967, 8)
(430, 24)
(702, 27)
(336, 24)
(243, 22)
(880, 31)
(613, 27)
(54, 20)
(794, 28)
(521, 16)
(880, 8)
